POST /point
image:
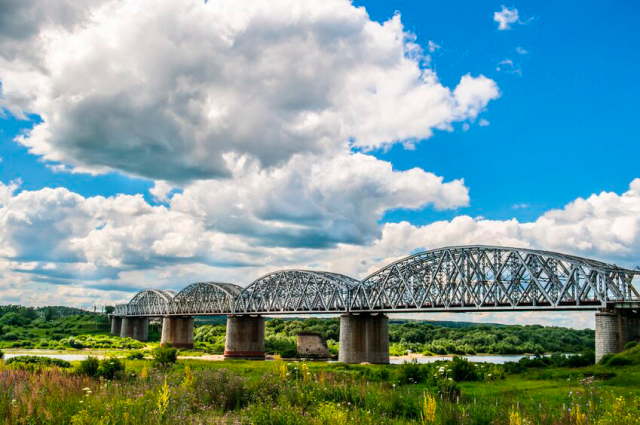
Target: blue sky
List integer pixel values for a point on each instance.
(560, 130)
(236, 152)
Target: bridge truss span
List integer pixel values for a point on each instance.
(486, 278)
(297, 291)
(149, 302)
(205, 298)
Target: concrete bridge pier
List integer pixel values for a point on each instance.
(135, 327)
(177, 331)
(245, 338)
(116, 325)
(614, 329)
(364, 338)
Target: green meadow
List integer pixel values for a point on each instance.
(158, 389)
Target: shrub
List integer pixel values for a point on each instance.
(89, 366)
(629, 345)
(135, 355)
(464, 370)
(448, 388)
(1, 355)
(164, 355)
(410, 373)
(619, 361)
(38, 361)
(605, 359)
(111, 368)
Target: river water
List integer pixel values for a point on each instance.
(497, 359)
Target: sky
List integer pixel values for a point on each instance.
(155, 143)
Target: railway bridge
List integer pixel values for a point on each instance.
(454, 279)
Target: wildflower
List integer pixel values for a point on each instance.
(450, 379)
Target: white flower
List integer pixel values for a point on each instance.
(489, 375)
(450, 379)
(86, 389)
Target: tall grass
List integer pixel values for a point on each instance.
(283, 393)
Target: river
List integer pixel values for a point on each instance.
(497, 359)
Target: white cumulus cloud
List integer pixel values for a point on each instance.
(165, 89)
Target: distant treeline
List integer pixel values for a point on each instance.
(60, 327)
(423, 337)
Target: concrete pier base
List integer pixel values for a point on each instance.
(364, 338)
(135, 327)
(116, 325)
(245, 338)
(177, 331)
(614, 329)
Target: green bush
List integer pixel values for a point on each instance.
(618, 360)
(1, 355)
(39, 361)
(111, 368)
(89, 366)
(135, 355)
(629, 345)
(410, 373)
(448, 388)
(604, 361)
(164, 355)
(464, 370)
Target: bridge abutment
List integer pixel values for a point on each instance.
(245, 338)
(135, 327)
(116, 325)
(177, 331)
(364, 338)
(614, 329)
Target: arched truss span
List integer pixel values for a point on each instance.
(296, 291)
(150, 302)
(205, 298)
(480, 277)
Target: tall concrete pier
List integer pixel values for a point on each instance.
(364, 338)
(245, 338)
(116, 325)
(177, 331)
(135, 327)
(614, 329)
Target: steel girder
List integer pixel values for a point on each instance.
(469, 278)
(150, 302)
(296, 291)
(205, 298)
(463, 278)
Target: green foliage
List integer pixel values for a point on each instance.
(464, 370)
(1, 355)
(164, 355)
(440, 338)
(111, 368)
(19, 361)
(318, 393)
(89, 366)
(629, 345)
(135, 355)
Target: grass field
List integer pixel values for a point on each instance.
(279, 392)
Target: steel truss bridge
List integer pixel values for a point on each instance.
(454, 279)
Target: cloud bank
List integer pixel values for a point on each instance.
(168, 89)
